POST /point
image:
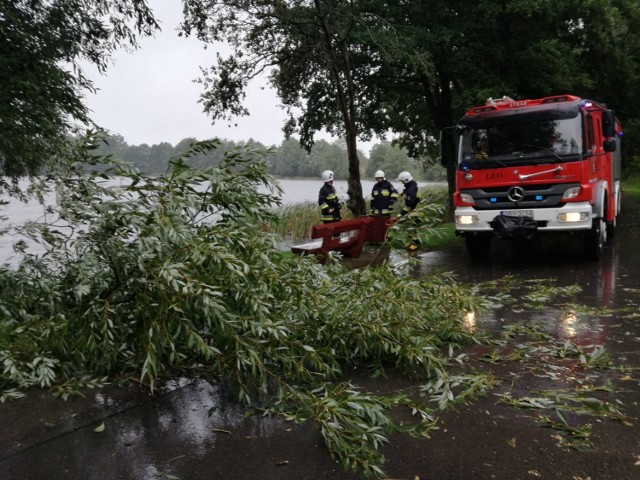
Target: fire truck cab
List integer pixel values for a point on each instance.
(545, 165)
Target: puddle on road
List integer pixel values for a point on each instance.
(127, 433)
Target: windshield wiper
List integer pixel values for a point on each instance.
(537, 149)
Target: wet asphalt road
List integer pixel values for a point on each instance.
(190, 430)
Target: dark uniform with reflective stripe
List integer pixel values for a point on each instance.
(329, 204)
(383, 197)
(411, 197)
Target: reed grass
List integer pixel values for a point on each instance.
(295, 222)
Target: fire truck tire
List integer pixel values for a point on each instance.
(595, 240)
(611, 228)
(478, 245)
(613, 224)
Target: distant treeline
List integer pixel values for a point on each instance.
(288, 160)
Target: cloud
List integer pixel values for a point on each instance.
(149, 95)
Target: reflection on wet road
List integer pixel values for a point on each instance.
(610, 286)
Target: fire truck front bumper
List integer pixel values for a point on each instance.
(573, 216)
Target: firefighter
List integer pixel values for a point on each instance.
(482, 147)
(410, 193)
(411, 199)
(383, 195)
(328, 199)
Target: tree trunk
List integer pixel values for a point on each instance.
(448, 153)
(340, 68)
(356, 204)
(445, 122)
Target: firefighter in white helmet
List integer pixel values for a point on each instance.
(383, 195)
(328, 199)
(410, 193)
(411, 196)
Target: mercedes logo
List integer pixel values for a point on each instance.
(515, 194)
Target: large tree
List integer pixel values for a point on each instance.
(41, 82)
(317, 62)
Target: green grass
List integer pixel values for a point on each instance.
(631, 185)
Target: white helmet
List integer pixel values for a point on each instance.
(405, 177)
(327, 176)
(380, 174)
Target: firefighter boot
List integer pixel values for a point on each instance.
(411, 246)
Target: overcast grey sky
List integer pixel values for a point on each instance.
(149, 96)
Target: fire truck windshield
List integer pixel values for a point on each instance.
(521, 142)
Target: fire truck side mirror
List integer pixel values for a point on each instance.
(608, 124)
(609, 146)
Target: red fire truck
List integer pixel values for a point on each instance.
(545, 165)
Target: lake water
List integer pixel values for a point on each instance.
(294, 191)
(298, 191)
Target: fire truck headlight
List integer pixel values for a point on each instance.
(466, 219)
(574, 216)
(466, 198)
(571, 193)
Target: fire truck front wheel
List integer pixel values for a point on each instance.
(478, 244)
(612, 226)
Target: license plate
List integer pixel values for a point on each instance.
(517, 213)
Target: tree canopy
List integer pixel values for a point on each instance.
(353, 68)
(316, 61)
(41, 82)
(287, 160)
